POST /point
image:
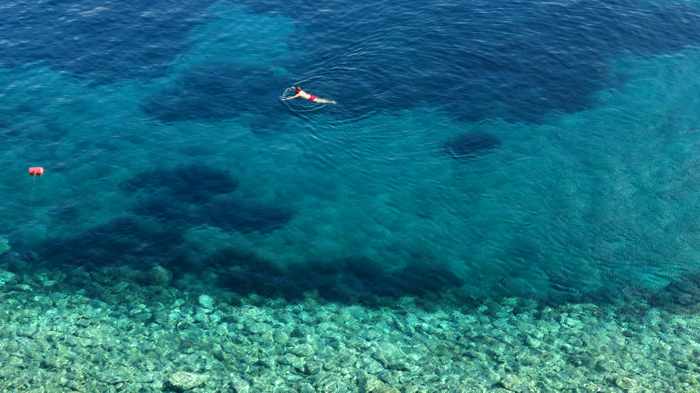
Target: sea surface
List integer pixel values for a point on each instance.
(544, 151)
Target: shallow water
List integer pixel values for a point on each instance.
(486, 150)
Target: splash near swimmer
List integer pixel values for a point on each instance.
(296, 92)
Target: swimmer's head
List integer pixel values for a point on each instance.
(297, 88)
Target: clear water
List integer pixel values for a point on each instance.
(542, 150)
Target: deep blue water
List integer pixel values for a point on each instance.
(500, 148)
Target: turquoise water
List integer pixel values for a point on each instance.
(583, 195)
(478, 152)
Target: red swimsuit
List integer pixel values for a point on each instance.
(311, 98)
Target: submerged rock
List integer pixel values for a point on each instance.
(6, 277)
(302, 350)
(239, 385)
(4, 245)
(306, 387)
(206, 301)
(471, 144)
(391, 357)
(159, 275)
(372, 384)
(181, 381)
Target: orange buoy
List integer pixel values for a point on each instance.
(36, 171)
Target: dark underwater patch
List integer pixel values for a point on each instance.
(228, 213)
(197, 194)
(515, 60)
(100, 41)
(17, 127)
(165, 210)
(220, 91)
(196, 151)
(346, 280)
(245, 273)
(193, 183)
(471, 145)
(120, 241)
(244, 216)
(681, 295)
(512, 59)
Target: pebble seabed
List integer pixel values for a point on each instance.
(57, 337)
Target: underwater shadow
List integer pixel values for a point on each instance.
(216, 92)
(471, 145)
(122, 241)
(196, 194)
(509, 59)
(141, 247)
(349, 280)
(97, 41)
(138, 248)
(681, 296)
(228, 213)
(192, 183)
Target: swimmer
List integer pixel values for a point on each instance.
(300, 93)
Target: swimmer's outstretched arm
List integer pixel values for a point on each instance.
(292, 97)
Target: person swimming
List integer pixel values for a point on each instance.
(300, 93)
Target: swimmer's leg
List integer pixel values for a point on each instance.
(324, 101)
